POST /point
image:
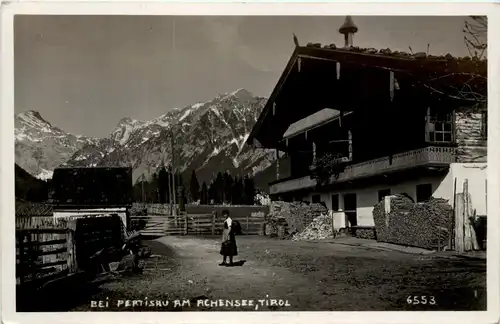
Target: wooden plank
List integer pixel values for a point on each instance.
(61, 250)
(53, 276)
(51, 264)
(213, 223)
(71, 253)
(21, 260)
(459, 223)
(466, 215)
(450, 236)
(43, 230)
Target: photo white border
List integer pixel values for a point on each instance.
(7, 195)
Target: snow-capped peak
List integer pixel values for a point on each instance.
(125, 127)
(211, 136)
(128, 121)
(198, 105)
(45, 174)
(240, 93)
(32, 118)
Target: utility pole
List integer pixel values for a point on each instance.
(174, 166)
(169, 183)
(172, 143)
(142, 189)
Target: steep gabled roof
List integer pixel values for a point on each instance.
(418, 66)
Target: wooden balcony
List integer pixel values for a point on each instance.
(427, 156)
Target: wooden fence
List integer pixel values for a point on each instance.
(41, 222)
(196, 223)
(48, 248)
(160, 225)
(44, 254)
(204, 224)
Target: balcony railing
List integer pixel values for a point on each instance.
(427, 156)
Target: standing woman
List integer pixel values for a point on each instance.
(228, 248)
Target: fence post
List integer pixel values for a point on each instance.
(247, 223)
(71, 245)
(213, 223)
(70, 251)
(21, 269)
(333, 222)
(452, 217)
(459, 223)
(33, 256)
(466, 215)
(185, 224)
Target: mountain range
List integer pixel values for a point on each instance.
(208, 137)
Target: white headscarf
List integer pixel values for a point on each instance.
(229, 221)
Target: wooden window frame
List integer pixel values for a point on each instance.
(434, 120)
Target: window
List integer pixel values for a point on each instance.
(439, 126)
(316, 199)
(424, 192)
(383, 193)
(335, 202)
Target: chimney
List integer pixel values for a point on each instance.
(348, 29)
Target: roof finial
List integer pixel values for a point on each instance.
(348, 29)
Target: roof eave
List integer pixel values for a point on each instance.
(274, 95)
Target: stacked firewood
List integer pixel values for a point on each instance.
(294, 216)
(424, 225)
(365, 233)
(319, 229)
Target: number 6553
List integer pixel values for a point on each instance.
(421, 300)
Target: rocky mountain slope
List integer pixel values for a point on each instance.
(41, 147)
(209, 137)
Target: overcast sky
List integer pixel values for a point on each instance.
(84, 73)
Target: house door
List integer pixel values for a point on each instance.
(350, 206)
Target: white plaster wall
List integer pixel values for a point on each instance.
(476, 174)
(69, 213)
(442, 187)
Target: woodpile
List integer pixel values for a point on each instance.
(319, 229)
(424, 225)
(296, 216)
(365, 233)
(282, 232)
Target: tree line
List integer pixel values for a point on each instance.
(28, 187)
(222, 189)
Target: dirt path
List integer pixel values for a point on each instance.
(253, 280)
(309, 276)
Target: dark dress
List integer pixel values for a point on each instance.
(228, 247)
